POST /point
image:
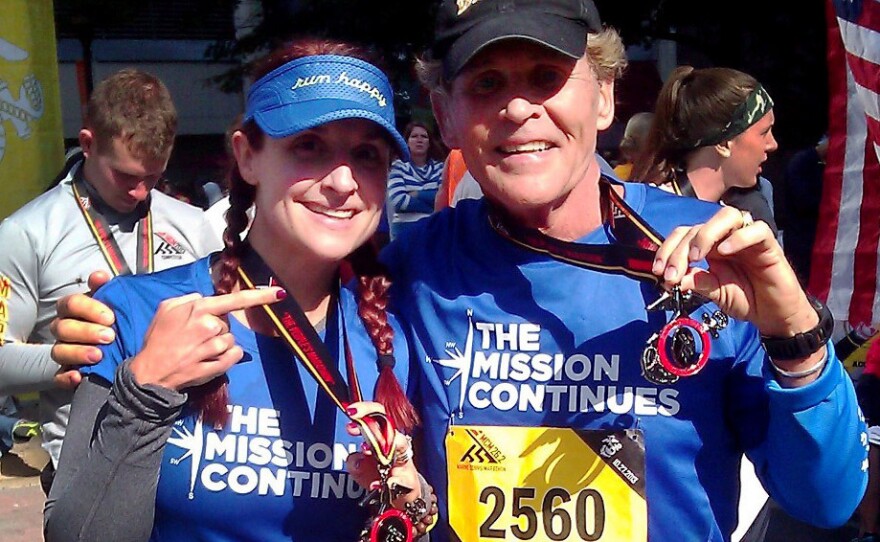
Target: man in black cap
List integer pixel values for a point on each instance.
(555, 406)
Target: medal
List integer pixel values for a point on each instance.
(682, 346)
(387, 524)
(652, 369)
(392, 525)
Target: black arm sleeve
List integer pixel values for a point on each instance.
(105, 488)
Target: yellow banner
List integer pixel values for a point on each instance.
(545, 484)
(31, 137)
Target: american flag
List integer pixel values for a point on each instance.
(844, 265)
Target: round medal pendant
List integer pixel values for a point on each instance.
(392, 525)
(652, 369)
(676, 347)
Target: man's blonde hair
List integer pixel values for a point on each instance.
(136, 107)
(605, 52)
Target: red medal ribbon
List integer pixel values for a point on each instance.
(100, 229)
(635, 244)
(632, 255)
(307, 347)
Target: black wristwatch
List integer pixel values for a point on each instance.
(802, 344)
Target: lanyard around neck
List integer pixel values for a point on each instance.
(632, 254)
(309, 350)
(682, 186)
(100, 228)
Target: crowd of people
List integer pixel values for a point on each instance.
(540, 350)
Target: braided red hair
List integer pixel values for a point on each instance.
(373, 286)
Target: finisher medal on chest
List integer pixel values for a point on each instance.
(681, 348)
(387, 524)
(392, 525)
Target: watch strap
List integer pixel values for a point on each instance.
(802, 344)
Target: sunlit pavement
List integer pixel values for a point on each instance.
(21, 497)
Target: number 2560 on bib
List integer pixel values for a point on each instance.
(546, 484)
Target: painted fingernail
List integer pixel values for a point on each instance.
(106, 336)
(280, 294)
(365, 447)
(351, 411)
(351, 425)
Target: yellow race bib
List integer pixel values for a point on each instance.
(543, 484)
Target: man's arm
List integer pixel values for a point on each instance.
(815, 454)
(812, 448)
(26, 367)
(805, 442)
(23, 367)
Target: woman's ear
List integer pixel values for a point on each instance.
(723, 149)
(244, 157)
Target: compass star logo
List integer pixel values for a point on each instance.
(192, 443)
(462, 362)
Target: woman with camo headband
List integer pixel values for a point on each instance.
(712, 130)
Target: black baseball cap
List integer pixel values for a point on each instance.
(465, 27)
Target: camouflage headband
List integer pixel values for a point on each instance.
(757, 104)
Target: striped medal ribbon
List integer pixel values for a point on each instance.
(673, 351)
(100, 229)
(291, 323)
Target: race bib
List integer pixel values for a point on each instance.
(542, 484)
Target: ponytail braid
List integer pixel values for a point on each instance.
(373, 286)
(211, 398)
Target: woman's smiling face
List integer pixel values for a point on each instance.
(320, 192)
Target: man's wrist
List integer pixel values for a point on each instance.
(803, 344)
(809, 371)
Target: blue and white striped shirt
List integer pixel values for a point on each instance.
(411, 189)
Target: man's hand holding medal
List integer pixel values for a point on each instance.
(749, 278)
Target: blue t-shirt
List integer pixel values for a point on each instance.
(515, 338)
(277, 471)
